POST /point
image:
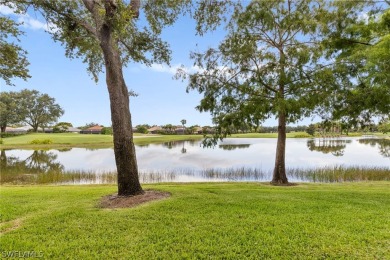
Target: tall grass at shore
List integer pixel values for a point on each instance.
(341, 174)
(324, 174)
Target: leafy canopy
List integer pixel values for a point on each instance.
(38, 110)
(270, 63)
(73, 24)
(13, 59)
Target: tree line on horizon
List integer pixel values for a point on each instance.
(287, 59)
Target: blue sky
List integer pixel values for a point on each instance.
(162, 99)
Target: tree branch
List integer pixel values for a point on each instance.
(134, 7)
(90, 5)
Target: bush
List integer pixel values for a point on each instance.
(302, 135)
(10, 134)
(106, 131)
(44, 141)
(311, 130)
(60, 129)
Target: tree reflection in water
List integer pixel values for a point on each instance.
(382, 144)
(230, 147)
(333, 146)
(14, 169)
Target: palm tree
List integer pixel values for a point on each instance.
(183, 122)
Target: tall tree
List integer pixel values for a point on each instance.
(271, 62)
(183, 122)
(107, 35)
(13, 60)
(38, 110)
(10, 109)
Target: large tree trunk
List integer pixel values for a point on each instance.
(2, 128)
(125, 158)
(279, 175)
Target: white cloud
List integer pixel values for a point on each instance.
(172, 69)
(27, 21)
(164, 68)
(6, 10)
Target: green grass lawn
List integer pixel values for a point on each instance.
(201, 221)
(71, 139)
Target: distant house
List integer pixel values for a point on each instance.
(46, 130)
(180, 130)
(18, 130)
(198, 130)
(97, 129)
(155, 129)
(25, 128)
(73, 130)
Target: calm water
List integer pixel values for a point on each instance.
(189, 161)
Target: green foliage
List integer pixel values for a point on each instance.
(143, 129)
(11, 110)
(10, 134)
(270, 64)
(384, 126)
(224, 220)
(1, 140)
(77, 140)
(13, 59)
(88, 125)
(79, 28)
(106, 131)
(302, 135)
(311, 130)
(168, 129)
(39, 110)
(62, 127)
(361, 48)
(64, 124)
(41, 141)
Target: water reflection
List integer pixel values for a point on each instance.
(182, 144)
(333, 146)
(39, 161)
(230, 147)
(382, 144)
(181, 161)
(13, 168)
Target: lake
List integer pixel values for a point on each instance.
(234, 159)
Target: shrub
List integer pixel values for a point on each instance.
(44, 141)
(60, 129)
(106, 131)
(311, 130)
(10, 134)
(302, 135)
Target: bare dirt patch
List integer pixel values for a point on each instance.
(115, 201)
(10, 225)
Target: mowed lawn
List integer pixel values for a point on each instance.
(202, 221)
(72, 139)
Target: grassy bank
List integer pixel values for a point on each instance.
(201, 221)
(85, 140)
